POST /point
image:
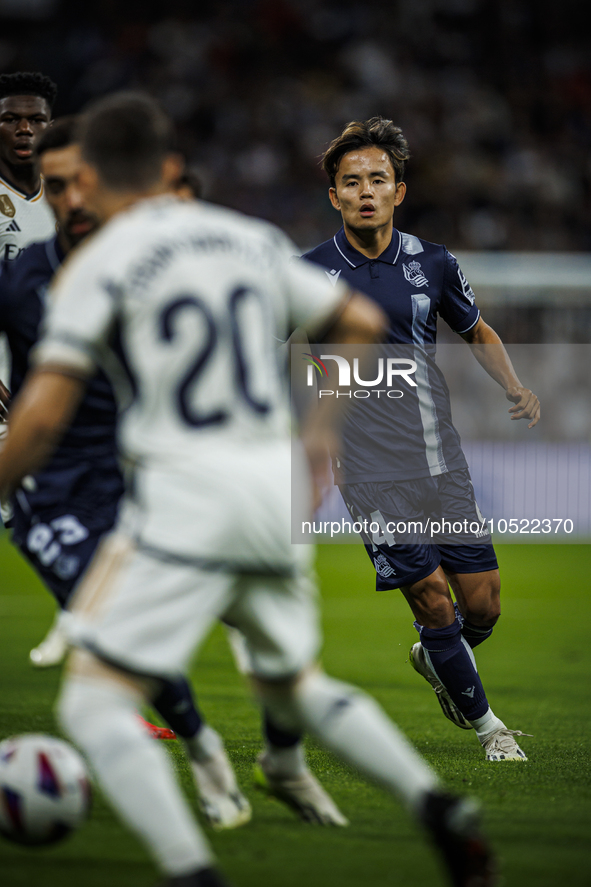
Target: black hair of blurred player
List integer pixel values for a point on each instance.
(126, 141)
(377, 132)
(60, 161)
(126, 137)
(26, 104)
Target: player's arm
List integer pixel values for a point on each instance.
(491, 354)
(40, 415)
(356, 320)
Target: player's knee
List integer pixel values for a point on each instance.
(483, 617)
(484, 608)
(430, 601)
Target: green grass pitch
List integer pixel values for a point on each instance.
(536, 670)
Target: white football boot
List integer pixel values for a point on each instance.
(303, 793)
(53, 648)
(220, 800)
(501, 746)
(448, 706)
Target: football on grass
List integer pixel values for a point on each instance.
(44, 789)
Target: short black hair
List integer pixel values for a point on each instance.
(28, 83)
(126, 136)
(376, 132)
(62, 133)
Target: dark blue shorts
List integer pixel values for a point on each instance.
(416, 525)
(59, 524)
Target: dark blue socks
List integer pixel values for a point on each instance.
(277, 736)
(453, 663)
(176, 705)
(472, 634)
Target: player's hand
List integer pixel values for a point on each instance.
(527, 405)
(4, 402)
(319, 463)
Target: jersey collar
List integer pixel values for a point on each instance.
(23, 194)
(355, 259)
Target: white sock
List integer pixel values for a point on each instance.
(133, 771)
(284, 763)
(204, 745)
(487, 725)
(353, 726)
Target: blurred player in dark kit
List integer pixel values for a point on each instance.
(409, 465)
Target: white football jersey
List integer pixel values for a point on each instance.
(23, 220)
(199, 296)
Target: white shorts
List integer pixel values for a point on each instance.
(148, 615)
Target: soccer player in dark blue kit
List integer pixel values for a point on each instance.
(408, 465)
(62, 512)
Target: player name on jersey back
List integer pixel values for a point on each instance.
(200, 295)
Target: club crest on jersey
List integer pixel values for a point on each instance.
(333, 276)
(414, 274)
(383, 567)
(7, 206)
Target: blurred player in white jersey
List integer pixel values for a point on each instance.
(281, 770)
(197, 295)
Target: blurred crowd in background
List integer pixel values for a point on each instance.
(494, 97)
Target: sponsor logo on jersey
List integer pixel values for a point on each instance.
(12, 227)
(7, 206)
(12, 252)
(383, 567)
(333, 276)
(414, 274)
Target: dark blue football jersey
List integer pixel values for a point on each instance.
(413, 281)
(84, 470)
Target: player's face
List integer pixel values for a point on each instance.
(23, 118)
(60, 168)
(366, 192)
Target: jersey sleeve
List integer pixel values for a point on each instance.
(312, 297)
(457, 305)
(83, 304)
